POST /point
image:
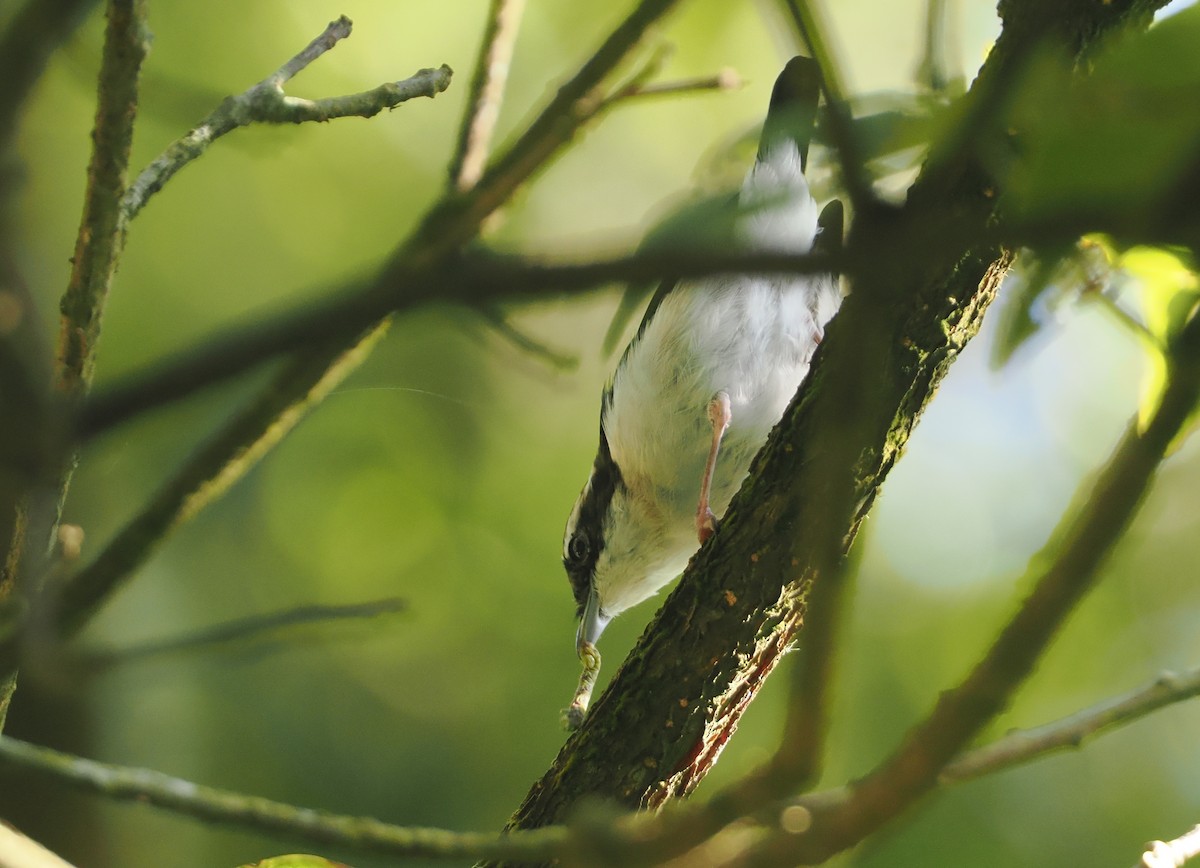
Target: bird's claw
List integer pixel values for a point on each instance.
(572, 717)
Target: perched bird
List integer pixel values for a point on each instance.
(705, 379)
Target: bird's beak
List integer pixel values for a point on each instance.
(592, 624)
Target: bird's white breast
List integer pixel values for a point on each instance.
(750, 336)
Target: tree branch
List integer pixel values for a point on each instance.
(102, 228)
(18, 851)
(124, 783)
(841, 126)
(245, 629)
(1071, 732)
(689, 825)
(724, 79)
(798, 760)
(472, 279)
(266, 102)
(32, 515)
(487, 90)
(632, 839)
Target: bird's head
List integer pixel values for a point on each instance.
(616, 548)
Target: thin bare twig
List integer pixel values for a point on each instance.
(222, 806)
(1071, 732)
(724, 79)
(102, 227)
(265, 102)
(487, 90)
(333, 33)
(801, 748)
(242, 630)
(252, 433)
(499, 322)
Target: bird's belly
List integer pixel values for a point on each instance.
(750, 339)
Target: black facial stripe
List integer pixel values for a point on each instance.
(606, 477)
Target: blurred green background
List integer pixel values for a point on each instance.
(442, 471)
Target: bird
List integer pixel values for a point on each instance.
(708, 374)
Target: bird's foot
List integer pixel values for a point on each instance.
(572, 717)
(719, 416)
(706, 523)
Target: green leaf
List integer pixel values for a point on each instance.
(1112, 143)
(1167, 289)
(1082, 269)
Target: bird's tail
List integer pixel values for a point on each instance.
(792, 115)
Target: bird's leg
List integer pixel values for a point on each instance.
(719, 415)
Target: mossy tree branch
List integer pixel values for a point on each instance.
(30, 519)
(628, 840)
(146, 786)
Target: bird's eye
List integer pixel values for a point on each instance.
(578, 548)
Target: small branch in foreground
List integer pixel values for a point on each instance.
(642, 835)
(266, 102)
(487, 90)
(472, 279)
(334, 33)
(801, 748)
(1172, 854)
(32, 515)
(124, 783)
(688, 825)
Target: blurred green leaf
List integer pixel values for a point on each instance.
(1016, 321)
(1168, 289)
(1113, 141)
(1076, 270)
(1167, 292)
